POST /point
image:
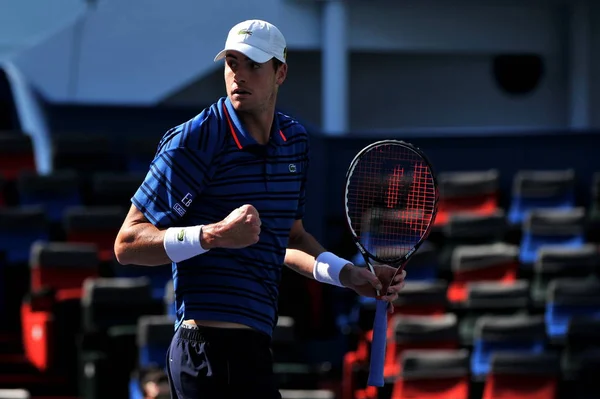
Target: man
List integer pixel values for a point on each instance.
(223, 202)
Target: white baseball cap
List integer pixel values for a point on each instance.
(258, 40)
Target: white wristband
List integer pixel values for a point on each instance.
(327, 268)
(183, 243)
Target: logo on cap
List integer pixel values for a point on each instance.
(245, 32)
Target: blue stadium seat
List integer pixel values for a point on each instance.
(559, 262)
(154, 336)
(114, 188)
(55, 192)
(423, 265)
(140, 152)
(551, 227)
(541, 189)
(516, 333)
(159, 276)
(568, 298)
(19, 228)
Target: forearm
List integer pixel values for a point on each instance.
(302, 253)
(141, 244)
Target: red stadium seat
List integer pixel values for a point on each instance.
(62, 267)
(95, 225)
(418, 332)
(2, 193)
(471, 192)
(16, 155)
(494, 262)
(38, 328)
(522, 376)
(442, 374)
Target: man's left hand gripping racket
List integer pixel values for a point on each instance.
(391, 201)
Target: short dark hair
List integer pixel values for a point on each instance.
(277, 63)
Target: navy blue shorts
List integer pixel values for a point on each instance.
(211, 363)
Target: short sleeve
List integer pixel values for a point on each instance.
(177, 175)
(302, 198)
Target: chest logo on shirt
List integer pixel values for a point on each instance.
(292, 168)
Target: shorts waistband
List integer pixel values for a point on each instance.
(202, 334)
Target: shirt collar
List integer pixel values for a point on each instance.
(241, 137)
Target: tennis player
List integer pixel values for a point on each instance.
(223, 202)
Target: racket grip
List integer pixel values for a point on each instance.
(378, 345)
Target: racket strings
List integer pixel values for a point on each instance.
(390, 200)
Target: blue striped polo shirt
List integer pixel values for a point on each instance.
(204, 169)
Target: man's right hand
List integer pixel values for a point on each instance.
(241, 228)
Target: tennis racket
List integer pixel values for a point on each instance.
(391, 201)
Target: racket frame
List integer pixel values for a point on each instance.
(401, 261)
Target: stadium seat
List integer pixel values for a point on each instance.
(169, 299)
(551, 227)
(159, 275)
(433, 374)
(114, 189)
(37, 327)
(586, 384)
(111, 310)
(471, 263)
(154, 334)
(291, 366)
(94, 225)
(558, 262)
(54, 192)
(110, 302)
(86, 153)
(423, 265)
(523, 376)
(418, 332)
(421, 298)
(567, 298)
(473, 192)
(491, 298)
(470, 229)
(19, 228)
(516, 333)
(16, 155)
(595, 199)
(62, 267)
(581, 338)
(3, 200)
(140, 152)
(535, 189)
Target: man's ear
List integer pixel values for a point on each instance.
(281, 74)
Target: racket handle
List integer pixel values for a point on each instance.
(378, 345)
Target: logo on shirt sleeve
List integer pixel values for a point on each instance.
(187, 200)
(179, 209)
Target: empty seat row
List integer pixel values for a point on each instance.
(478, 192)
(60, 189)
(21, 226)
(82, 152)
(513, 344)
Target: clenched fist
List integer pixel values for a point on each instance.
(241, 228)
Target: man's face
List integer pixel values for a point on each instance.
(251, 86)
